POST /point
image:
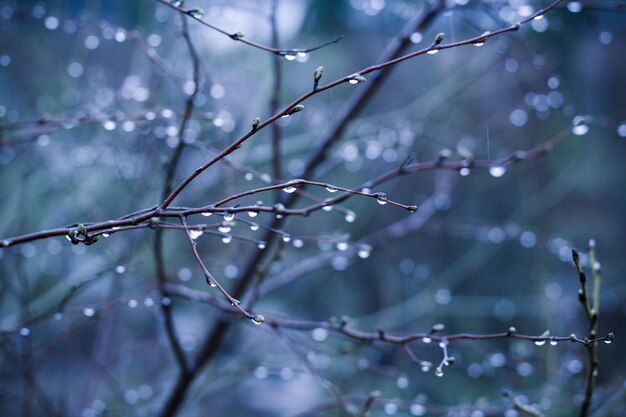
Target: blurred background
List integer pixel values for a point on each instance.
(91, 98)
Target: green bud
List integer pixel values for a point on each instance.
(445, 154)
(255, 123)
(517, 26)
(572, 337)
(81, 229)
(439, 38)
(295, 109)
(437, 328)
(610, 337)
(155, 221)
(317, 75)
(72, 233)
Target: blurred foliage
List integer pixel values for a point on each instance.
(493, 252)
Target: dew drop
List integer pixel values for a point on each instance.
(497, 171)
(227, 239)
(425, 368)
(554, 342)
(328, 207)
(353, 81)
(364, 251)
(350, 217)
(25, 331)
(254, 227)
(289, 189)
(105, 235)
(212, 283)
(207, 213)
(381, 198)
(426, 339)
(540, 342)
(249, 176)
(262, 245)
(580, 125)
(607, 341)
(89, 312)
(331, 189)
(194, 234)
(253, 214)
(464, 172)
(286, 238)
(229, 216)
(298, 243)
(432, 51)
(290, 57)
(342, 246)
(224, 228)
(258, 319)
(439, 372)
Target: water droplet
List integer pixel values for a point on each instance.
(342, 246)
(120, 269)
(432, 51)
(254, 226)
(497, 171)
(249, 176)
(580, 125)
(331, 189)
(227, 239)
(207, 213)
(364, 251)
(258, 319)
(109, 125)
(229, 216)
(262, 245)
(402, 382)
(425, 368)
(539, 17)
(574, 6)
(426, 339)
(554, 342)
(439, 372)
(607, 341)
(298, 243)
(328, 207)
(197, 13)
(224, 228)
(478, 43)
(381, 198)
(289, 189)
(25, 331)
(540, 342)
(105, 235)
(253, 214)
(286, 238)
(416, 37)
(350, 217)
(464, 172)
(178, 3)
(290, 57)
(194, 234)
(89, 312)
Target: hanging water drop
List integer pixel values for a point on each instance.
(381, 198)
(364, 251)
(554, 342)
(254, 226)
(497, 171)
(331, 189)
(540, 342)
(253, 213)
(426, 339)
(262, 245)
(607, 341)
(227, 239)
(350, 217)
(25, 331)
(328, 207)
(439, 372)
(89, 312)
(581, 126)
(258, 319)
(211, 283)
(464, 172)
(207, 213)
(432, 51)
(342, 246)
(224, 228)
(194, 234)
(290, 56)
(229, 216)
(286, 238)
(289, 189)
(105, 235)
(298, 243)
